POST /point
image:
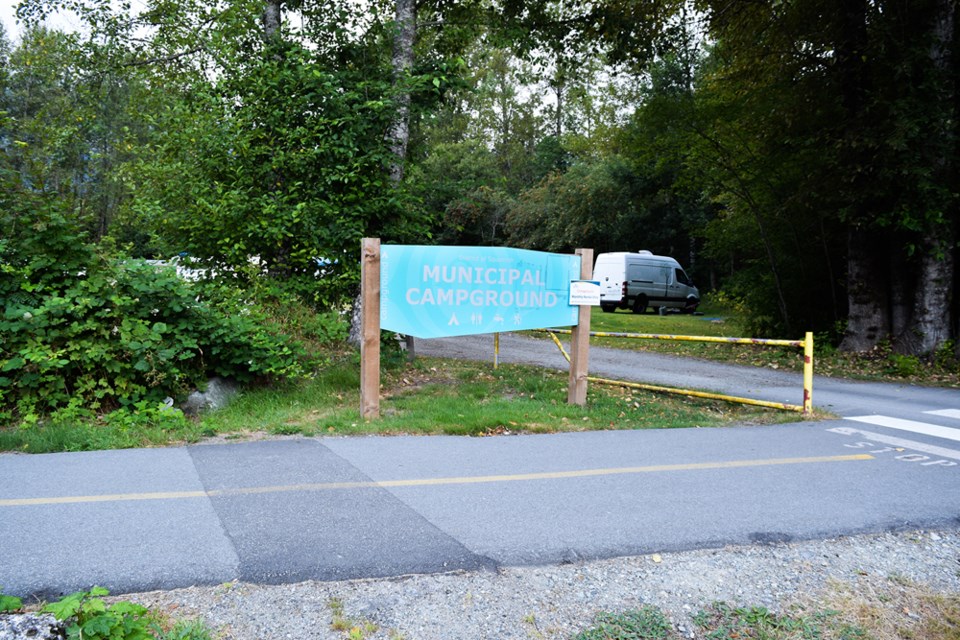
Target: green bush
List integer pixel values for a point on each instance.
(83, 326)
(903, 366)
(88, 617)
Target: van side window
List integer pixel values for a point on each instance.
(640, 273)
(683, 279)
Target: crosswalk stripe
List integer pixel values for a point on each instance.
(910, 425)
(946, 413)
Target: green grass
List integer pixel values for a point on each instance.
(433, 396)
(429, 396)
(64, 432)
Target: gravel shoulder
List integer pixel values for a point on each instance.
(558, 601)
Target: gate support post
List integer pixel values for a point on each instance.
(370, 328)
(808, 374)
(580, 340)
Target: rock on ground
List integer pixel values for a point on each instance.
(30, 626)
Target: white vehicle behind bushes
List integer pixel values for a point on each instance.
(639, 280)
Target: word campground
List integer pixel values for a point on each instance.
(481, 297)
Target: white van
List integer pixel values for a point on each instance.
(640, 280)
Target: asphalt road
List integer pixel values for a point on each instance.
(334, 508)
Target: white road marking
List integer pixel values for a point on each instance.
(910, 425)
(900, 442)
(946, 413)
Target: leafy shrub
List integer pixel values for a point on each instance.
(88, 617)
(903, 366)
(9, 603)
(83, 326)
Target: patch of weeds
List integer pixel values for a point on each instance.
(352, 629)
(899, 580)
(286, 429)
(186, 630)
(644, 623)
(534, 629)
(721, 621)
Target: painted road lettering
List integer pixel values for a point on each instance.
(938, 456)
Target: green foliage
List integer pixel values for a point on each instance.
(720, 621)
(89, 617)
(645, 623)
(9, 604)
(76, 428)
(294, 172)
(460, 185)
(586, 207)
(85, 328)
(185, 630)
(903, 365)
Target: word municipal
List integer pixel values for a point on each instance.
(482, 297)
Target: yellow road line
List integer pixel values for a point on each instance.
(428, 482)
(112, 497)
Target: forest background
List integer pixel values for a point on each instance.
(799, 157)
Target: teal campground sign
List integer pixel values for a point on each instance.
(436, 292)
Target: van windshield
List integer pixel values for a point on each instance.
(683, 279)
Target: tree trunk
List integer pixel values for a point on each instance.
(270, 19)
(929, 325)
(867, 321)
(403, 57)
(406, 26)
(903, 280)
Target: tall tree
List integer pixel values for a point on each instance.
(863, 95)
(402, 60)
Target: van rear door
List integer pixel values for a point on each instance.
(609, 272)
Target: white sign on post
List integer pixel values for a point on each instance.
(585, 293)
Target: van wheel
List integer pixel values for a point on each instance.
(640, 304)
(608, 308)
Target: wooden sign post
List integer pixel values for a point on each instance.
(580, 340)
(370, 328)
